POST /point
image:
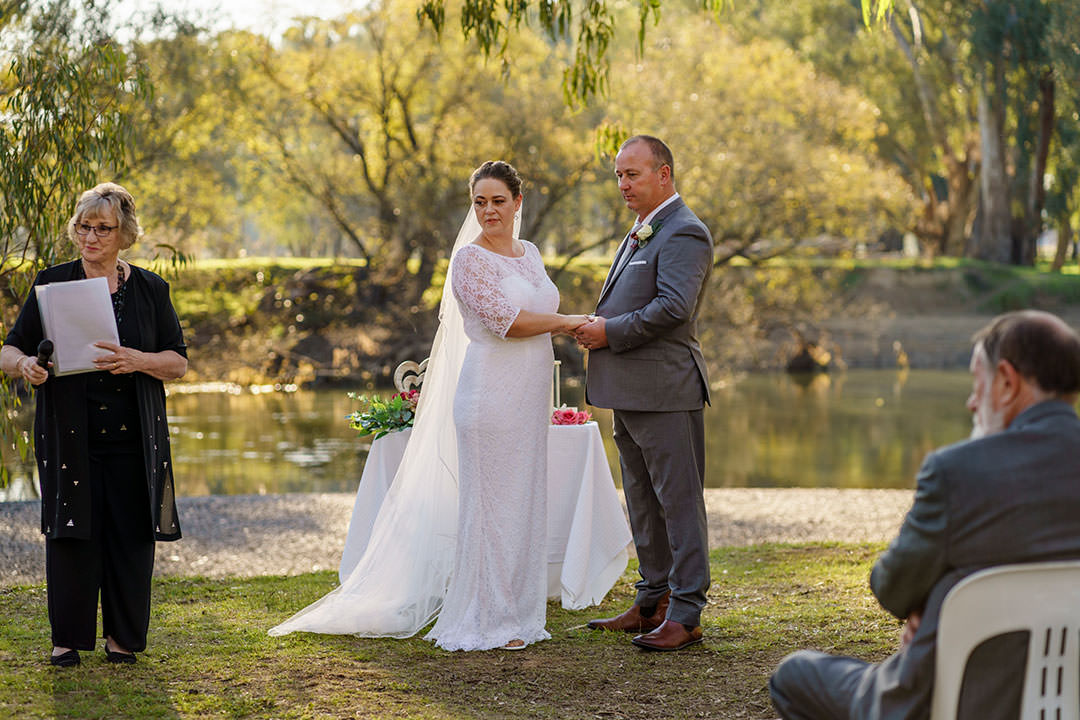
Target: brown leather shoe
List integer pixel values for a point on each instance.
(633, 621)
(669, 636)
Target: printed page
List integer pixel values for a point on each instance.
(75, 315)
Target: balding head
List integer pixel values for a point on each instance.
(1042, 348)
(1021, 359)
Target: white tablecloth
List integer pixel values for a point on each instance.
(587, 531)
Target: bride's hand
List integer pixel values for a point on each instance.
(572, 323)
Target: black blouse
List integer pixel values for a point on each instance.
(62, 427)
(112, 409)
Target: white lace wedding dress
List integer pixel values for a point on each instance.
(483, 572)
(502, 411)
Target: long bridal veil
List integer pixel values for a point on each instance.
(399, 583)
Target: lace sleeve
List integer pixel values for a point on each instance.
(475, 280)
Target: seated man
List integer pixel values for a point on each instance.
(1010, 494)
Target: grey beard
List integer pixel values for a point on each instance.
(979, 430)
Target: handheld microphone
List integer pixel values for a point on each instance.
(44, 352)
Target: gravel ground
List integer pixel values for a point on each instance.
(291, 534)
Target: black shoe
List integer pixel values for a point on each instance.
(67, 659)
(119, 657)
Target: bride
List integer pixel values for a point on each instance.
(461, 534)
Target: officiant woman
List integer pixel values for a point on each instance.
(102, 440)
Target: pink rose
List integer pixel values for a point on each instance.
(569, 416)
(563, 416)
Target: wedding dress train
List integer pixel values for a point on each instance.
(487, 585)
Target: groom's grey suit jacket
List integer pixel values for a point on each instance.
(1011, 497)
(653, 361)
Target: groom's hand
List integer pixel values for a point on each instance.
(592, 335)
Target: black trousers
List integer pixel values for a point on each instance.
(117, 561)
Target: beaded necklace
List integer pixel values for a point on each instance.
(119, 295)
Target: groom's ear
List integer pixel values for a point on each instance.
(665, 174)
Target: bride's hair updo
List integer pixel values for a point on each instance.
(498, 170)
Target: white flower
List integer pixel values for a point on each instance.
(644, 232)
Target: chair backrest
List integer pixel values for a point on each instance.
(1042, 598)
(409, 375)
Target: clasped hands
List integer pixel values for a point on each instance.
(590, 334)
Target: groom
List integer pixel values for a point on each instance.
(646, 364)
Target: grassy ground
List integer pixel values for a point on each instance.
(209, 655)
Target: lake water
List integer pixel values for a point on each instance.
(863, 429)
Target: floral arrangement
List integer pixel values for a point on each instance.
(384, 416)
(641, 237)
(570, 416)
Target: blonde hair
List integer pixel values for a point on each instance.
(113, 196)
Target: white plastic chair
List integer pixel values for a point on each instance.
(1043, 598)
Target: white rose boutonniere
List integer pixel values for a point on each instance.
(641, 237)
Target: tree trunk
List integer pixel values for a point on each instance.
(1064, 241)
(944, 224)
(1036, 199)
(963, 195)
(994, 242)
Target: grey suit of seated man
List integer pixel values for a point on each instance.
(1010, 494)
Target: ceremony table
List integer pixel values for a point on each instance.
(587, 535)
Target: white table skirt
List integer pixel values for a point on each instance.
(587, 531)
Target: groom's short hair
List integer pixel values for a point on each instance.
(660, 151)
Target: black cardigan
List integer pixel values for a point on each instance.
(60, 419)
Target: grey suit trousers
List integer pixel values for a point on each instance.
(811, 685)
(662, 455)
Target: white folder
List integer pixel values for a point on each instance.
(75, 315)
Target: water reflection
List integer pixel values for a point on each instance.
(226, 444)
(854, 429)
(859, 429)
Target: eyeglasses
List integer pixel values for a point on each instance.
(99, 231)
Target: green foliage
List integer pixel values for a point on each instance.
(185, 156)
(586, 78)
(1004, 289)
(355, 136)
(384, 416)
(785, 158)
(590, 33)
(64, 127)
(929, 64)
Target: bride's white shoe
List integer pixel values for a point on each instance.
(514, 645)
